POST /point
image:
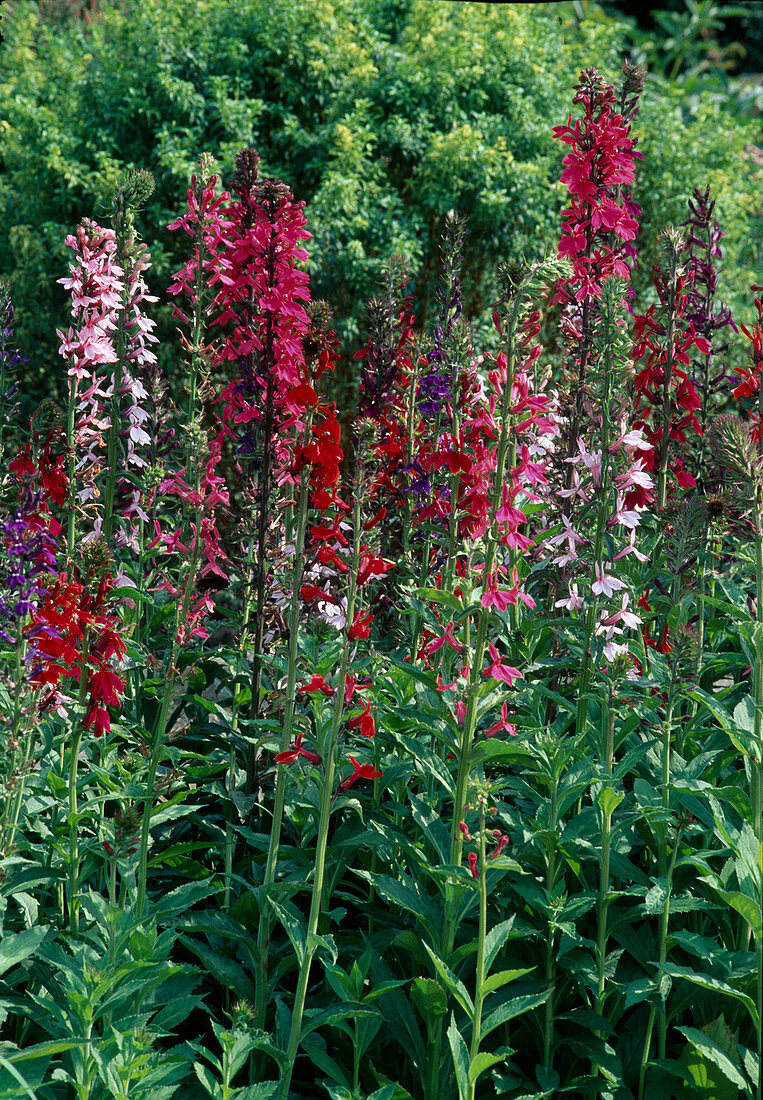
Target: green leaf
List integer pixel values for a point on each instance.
(407, 896)
(714, 985)
(229, 973)
(454, 984)
(429, 997)
(438, 595)
(745, 906)
(292, 923)
(335, 1015)
(386, 1092)
(183, 898)
(517, 1006)
(10, 1068)
(495, 939)
(17, 946)
(460, 1059)
(710, 1049)
(262, 1091)
(609, 800)
(503, 977)
(207, 1079)
(481, 1062)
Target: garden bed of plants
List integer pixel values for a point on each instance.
(414, 755)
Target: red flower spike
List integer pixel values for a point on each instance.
(361, 625)
(317, 683)
(294, 753)
(362, 771)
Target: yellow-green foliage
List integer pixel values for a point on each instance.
(381, 114)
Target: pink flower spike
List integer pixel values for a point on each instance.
(438, 643)
(502, 724)
(605, 584)
(501, 843)
(500, 672)
(630, 548)
(472, 860)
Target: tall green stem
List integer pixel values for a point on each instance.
(265, 919)
(505, 448)
(601, 521)
(479, 991)
(324, 816)
(160, 726)
(550, 968)
(667, 399)
(73, 762)
(663, 954)
(757, 763)
(608, 801)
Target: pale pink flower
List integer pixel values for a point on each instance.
(605, 584)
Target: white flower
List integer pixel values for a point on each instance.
(574, 600)
(605, 584)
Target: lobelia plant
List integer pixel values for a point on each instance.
(513, 848)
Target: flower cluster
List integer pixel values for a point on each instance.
(666, 399)
(261, 293)
(77, 635)
(96, 284)
(26, 556)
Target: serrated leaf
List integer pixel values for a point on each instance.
(495, 939)
(705, 981)
(609, 800)
(429, 997)
(408, 897)
(207, 1079)
(454, 984)
(710, 1049)
(460, 1059)
(293, 926)
(17, 946)
(503, 977)
(229, 973)
(517, 1006)
(265, 1090)
(654, 902)
(335, 1015)
(481, 1062)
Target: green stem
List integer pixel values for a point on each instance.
(160, 727)
(265, 918)
(476, 655)
(324, 817)
(757, 763)
(667, 402)
(73, 762)
(16, 775)
(663, 954)
(601, 520)
(72, 515)
(235, 718)
(550, 969)
(479, 992)
(608, 730)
